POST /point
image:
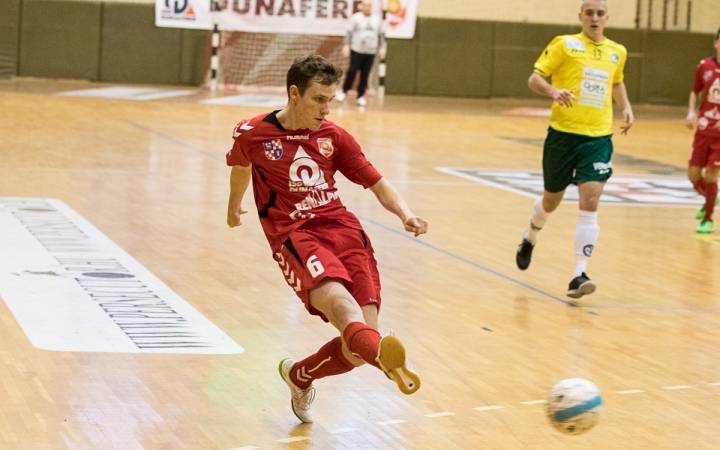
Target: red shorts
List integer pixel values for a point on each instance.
(330, 251)
(706, 150)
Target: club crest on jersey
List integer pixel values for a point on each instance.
(325, 146)
(273, 149)
(615, 58)
(707, 76)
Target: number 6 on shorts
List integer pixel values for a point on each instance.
(314, 267)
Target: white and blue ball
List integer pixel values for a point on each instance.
(574, 406)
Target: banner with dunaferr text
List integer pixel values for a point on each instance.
(317, 17)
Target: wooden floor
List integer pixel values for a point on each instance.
(151, 176)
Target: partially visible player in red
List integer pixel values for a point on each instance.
(706, 146)
(292, 156)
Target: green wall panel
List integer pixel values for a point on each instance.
(9, 31)
(134, 50)
(669, 64)
(401, 66)
(454, 58)
(59, 39)
(195, 46)
(517, 47)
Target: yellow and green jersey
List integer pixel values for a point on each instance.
(588, 69)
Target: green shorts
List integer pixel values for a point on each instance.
(574, 158)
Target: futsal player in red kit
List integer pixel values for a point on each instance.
(292, 156)
(706, 146)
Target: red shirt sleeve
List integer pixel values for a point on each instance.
(237, 155)
(699, 84)
(352, 163)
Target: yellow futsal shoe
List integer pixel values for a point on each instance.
(705, 227)
(391, 358)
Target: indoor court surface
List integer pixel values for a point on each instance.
(487, 340)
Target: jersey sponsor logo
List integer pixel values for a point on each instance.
(590, 73)
(72, 289)
(305, 174)
(713, 94)
(574, 44)
(594, 87)
(713, 114)
(298, 137)
(325, 145)
(273, 149)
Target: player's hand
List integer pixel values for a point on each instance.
(691, 120)
(382, 52)
(346, 51)
(628, 119)
(564, 97)
(233, 216)
(415, 224)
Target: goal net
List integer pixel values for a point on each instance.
(260, 61)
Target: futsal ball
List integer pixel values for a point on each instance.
(574, 406)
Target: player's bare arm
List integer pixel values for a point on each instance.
(620, 95)
(391, 200)
(691, 119)
(239, 181)
(539, 85)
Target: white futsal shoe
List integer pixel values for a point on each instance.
(361, 101)
(301, 398)
(340, 96)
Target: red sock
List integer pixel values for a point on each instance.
(363, 341)
(711, 192)
(700, 186)
(329, 360)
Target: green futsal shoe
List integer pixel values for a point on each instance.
(700, 213)
(705, 227)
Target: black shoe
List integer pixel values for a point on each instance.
(580, 286)
(524, 254)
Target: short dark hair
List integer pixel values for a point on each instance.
(307, 69)
(717, 36)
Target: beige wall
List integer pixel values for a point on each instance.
(705, 14)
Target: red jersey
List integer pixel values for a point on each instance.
(707, 80)
(293, 173)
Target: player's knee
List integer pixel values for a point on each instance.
(711, 175)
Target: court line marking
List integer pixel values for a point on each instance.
(247, 447)
(342, 430)
(440, 414)
(174, 141)
(714, 384)
(630, 391)
(672, 388)
(534, 402)
(294, 439)
(525, 285)
(391, 422)
(467, 261)
(487, 408)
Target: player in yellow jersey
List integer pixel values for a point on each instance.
(587, 73)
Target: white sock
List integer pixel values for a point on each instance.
(537, 221)
(586, 235)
